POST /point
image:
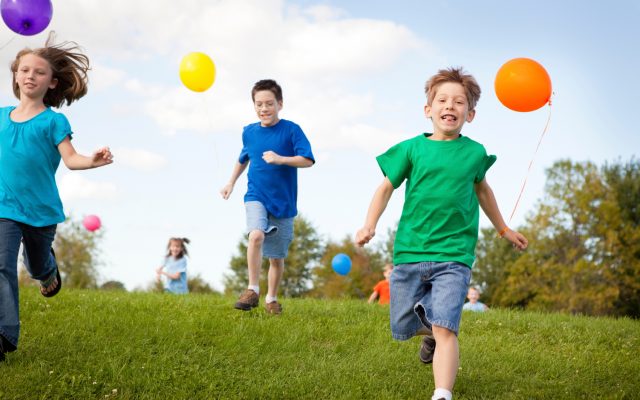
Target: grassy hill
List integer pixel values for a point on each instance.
(117, 345)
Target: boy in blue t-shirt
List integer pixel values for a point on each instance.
(273, 149)
(434, 246)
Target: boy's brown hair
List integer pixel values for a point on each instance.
(69, 67)
(267, 84)
(456, 75)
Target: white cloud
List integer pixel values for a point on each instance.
(315, 52)
(74, 186)
(103, 77)
(351, 46)
(140, 159)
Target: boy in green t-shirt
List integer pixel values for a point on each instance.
(438, 230)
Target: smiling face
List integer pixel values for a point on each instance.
(175, 248)
(34, 76)
(449, 110)
(267, 107)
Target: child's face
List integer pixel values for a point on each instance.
(387, 273)
(34, 76)
(449, 110)
(267, 107)
(175, 249)
(473, 295)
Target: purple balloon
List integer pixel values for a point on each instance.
(26, 17)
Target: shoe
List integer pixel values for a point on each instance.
(273, 308)
(427, 348)
(248, 300)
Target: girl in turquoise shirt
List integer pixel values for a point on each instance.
(33, 140)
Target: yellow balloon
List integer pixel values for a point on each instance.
(197, 71)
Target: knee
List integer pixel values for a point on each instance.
(442, 334)
(256, 238)
(276, 262)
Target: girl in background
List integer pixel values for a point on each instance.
(174, 267)
(33, 140)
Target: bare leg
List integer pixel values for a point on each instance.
(276, 268)
(254, 256)
(445, 359)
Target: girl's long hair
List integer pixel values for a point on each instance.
(69, 66)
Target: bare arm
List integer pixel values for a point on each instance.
(271, 157)
(75, 161)
(373, 297)
(238, 169)
(173, 277)
(376, 208)
(487, 201)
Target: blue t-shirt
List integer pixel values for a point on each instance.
(478, 307)
(275, 186)
(171, 266)
(29, 158)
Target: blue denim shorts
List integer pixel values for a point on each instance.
(426, 294)
(278, 232)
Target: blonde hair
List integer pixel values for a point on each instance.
(456, 75)
(69, 67)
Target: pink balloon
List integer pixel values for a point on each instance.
(91, 223)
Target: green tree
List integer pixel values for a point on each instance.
(113, 285)
(304, 252)
(197, 284)
(77, 254)
(584, 254)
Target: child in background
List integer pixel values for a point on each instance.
(381, 289)
(33, 139)
(174, 267)
(274, 149)
(473, 304)
(434, 247)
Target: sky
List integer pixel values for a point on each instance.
(353, 76)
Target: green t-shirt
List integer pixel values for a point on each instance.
(440, 215)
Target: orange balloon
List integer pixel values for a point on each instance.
(522, 84)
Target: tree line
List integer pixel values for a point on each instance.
(583, 255)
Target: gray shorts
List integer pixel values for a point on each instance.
(278, 232)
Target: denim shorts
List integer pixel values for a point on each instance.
(426, 294)
(278, 232)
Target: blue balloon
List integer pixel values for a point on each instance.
(341, 264)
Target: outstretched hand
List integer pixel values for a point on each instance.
(517, 239)
(101, 157)
(226, 190)
(364, 235)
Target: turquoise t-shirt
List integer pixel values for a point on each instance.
(440, 215)
(29, 158)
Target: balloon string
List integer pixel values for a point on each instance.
(544, 131)
(6, 44)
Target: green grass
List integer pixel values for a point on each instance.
(105, 345)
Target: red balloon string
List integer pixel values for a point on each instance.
(544, 131)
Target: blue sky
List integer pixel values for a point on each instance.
(353, 74)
